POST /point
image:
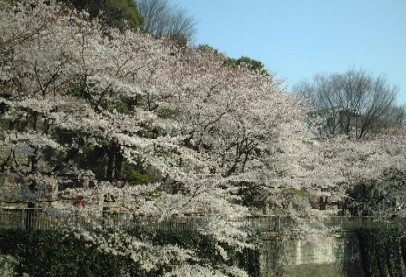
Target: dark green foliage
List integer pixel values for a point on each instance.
(80, 90)
(370, 197)
(93, 158)
(303, 192)
(149, 132)
(206, 47)
(123, 105)
(403, 248)
(252, 64)
(365, 197)
(103, 160)
(49, 253)
(248, 260)
(134, 176)
(382, 251)
(251, 195)
(3, 107)
(115, 13)
(52, 156)
(205, 245)
(65, 137)
(168, 113)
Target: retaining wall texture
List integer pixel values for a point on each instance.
(316, 259)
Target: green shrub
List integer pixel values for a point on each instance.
(168, 113)
(115, 13)
(252, 64)
(303, 192)
(382, 251)
(136, 177)
(50, 253)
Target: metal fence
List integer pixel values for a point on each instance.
(38, 219)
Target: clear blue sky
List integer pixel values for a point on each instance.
(297, 39)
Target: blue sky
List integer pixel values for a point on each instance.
(296, 39)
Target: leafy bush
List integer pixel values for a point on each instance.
(252, 64)
(136, 177)
(115, 13)
(168, 113)
(382, 251)
(50, 253)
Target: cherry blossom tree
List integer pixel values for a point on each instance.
(193, 126)
(149, 130)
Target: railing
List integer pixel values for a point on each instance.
(348, 223)
(38, 219)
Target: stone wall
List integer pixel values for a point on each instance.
(330, 257)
